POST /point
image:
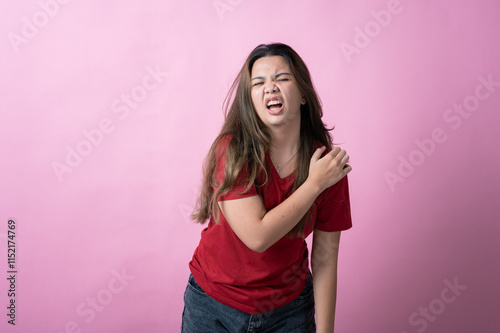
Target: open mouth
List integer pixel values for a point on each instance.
(274, 106)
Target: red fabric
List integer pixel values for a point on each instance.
(231, 273)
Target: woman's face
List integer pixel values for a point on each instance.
(275, 94)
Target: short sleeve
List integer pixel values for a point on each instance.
(238, 190)
(333, 208)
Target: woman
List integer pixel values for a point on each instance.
(271, 178)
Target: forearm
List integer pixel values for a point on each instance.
(259, 229)
(324, 259)
(277, 222)
(325, 296)
(323, 173)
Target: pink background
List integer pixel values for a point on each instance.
(122, 206)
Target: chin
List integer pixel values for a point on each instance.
(276, 123)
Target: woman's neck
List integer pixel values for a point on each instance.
(285, 143)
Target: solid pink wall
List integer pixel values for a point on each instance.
(110, 107)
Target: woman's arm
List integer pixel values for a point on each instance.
(259, 229)
(324, 257)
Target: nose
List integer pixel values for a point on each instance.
(270, 87)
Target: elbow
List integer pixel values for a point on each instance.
(259, 248)
(257, 245)
(255, 241)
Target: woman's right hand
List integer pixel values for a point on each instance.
(328, 170)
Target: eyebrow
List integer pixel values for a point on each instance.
(276, 76)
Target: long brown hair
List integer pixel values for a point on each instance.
(250, 138)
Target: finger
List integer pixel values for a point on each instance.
(334, 152)
(347, 168)
(340, 156)
(317, 153)
(338, 159)
(345, 159)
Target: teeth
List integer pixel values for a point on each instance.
(273, 102)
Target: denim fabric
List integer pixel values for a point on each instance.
(203, 314)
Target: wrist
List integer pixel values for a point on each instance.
(312, 187)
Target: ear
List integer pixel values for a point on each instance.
(303, 102)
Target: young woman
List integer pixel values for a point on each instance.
(271, 178)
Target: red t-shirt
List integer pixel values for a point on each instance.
(228, 271)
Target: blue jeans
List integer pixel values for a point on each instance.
(203, 314)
